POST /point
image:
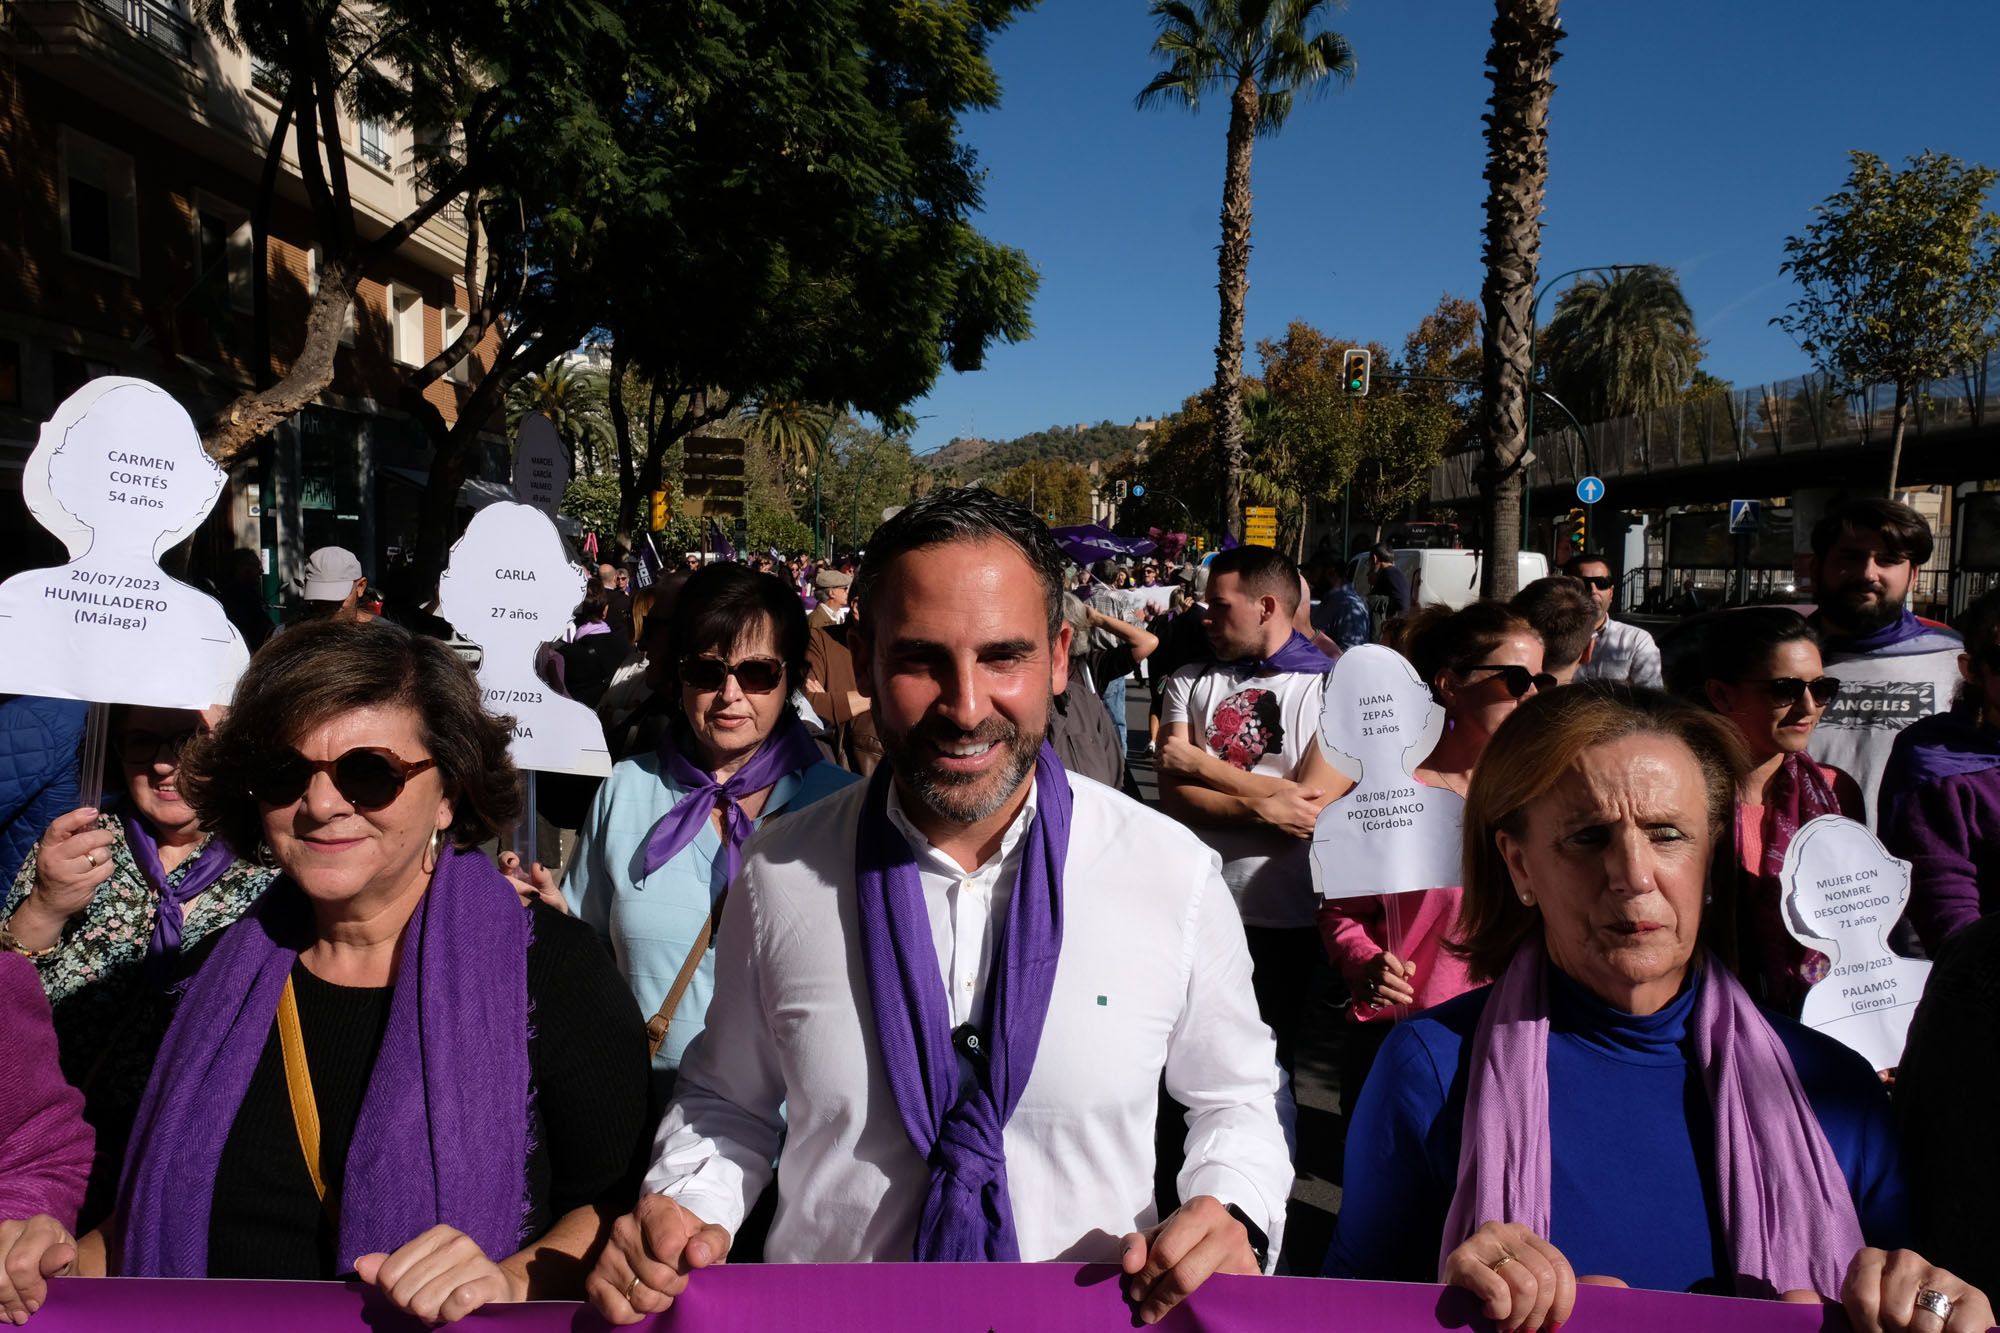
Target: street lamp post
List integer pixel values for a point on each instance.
(1534, 329)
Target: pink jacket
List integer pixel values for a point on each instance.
(1357, 929)
(45, 1145)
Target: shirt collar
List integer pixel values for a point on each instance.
(930, 858)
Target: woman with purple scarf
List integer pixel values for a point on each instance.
(1939, 807)
(116, 909)
(390, 1067)
(1614, 1108)
(665, 834)
(1762, 673)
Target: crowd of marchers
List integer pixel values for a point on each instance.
(868, 950)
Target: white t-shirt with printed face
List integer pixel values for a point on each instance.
(1260, 724)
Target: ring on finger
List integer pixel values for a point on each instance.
(1506, 1257)
(92, 858)
(1936, 1302)
(632, 1287)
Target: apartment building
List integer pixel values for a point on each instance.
(130, 149)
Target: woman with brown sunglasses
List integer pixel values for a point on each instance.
(664, 835)
(1762, 671)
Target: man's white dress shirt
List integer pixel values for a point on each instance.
(1154, 979)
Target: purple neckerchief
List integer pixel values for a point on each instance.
(588, 628)
(967, 1216)
(1297, 654)
(442, 1138)
(789, 748)
(1798, 794)
(1787, 1218)
(1943, 745)
(1895, 639)
(198, 873)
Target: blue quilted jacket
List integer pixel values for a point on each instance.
(38, 745)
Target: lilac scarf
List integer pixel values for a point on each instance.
(1787, 1217)
(1798, 794)
(1297, 654)
(207, 866)
(1943, 745)
(967, 1216)
(443, 1131)
(789, 748)
(1891, 640)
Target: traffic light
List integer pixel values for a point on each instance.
(1577, 518)
(1118, 489)
(1354, 366)
(660, 513)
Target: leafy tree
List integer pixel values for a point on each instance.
(1900, 278)
(1519, 63)
(866, 471)
(1260, 53)
(794, 430)
(1058, 491)
(593, 501)
(574, 399)
(1621, 343)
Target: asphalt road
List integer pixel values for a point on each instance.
(1316, 1080)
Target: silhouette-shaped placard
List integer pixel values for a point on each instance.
(510, 588)
(119, 476)
(541, 464)
(1390, 834)
(1843, 894)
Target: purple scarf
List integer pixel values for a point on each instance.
(1889, 641)
(789, 748)
(1787, 1218)
(1297, 654)
(1943, 745)
(443, 1133)
(1798, 794)
(198, 873)
(967, 1217)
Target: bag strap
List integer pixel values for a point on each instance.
(657, 1025)
(298, 1084)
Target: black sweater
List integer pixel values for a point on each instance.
(587, 1059)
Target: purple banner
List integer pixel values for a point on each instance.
(904, 1298)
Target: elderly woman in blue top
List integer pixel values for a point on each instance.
(1614, 1105)
(664, 837)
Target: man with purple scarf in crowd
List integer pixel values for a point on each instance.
(946, 998)
(1893, 668)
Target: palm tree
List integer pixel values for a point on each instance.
(1621, 343)
(576, 401)
(1519, 62)
(1258, 52)
(795, 430)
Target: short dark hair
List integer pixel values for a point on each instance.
(1736, 643)
(321, 669)
(1904, 531)
(1563, 614)
(1381, 554)
(594, 606)
(1439, 639)
(720, 602)
(967, 514)
(1591, 557)
(1264, 571)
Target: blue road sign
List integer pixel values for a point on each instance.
(1137, 490)
(1590, 490)
(1745, 515)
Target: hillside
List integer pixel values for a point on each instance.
(985, 460)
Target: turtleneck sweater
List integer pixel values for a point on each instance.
(1631, 1136)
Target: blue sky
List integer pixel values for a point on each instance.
(1694, 133)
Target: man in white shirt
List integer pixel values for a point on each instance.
(1240, 763)
(1142, 976)
(1621, 652)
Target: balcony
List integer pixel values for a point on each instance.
(161, 24)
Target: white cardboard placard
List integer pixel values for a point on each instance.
(1844, 892)
(119, 476)
(541, 464)
(1390, 834)
(510, 588)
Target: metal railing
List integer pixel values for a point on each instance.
(161, 24)
(1795, 416)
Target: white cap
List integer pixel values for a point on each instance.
(330, 574)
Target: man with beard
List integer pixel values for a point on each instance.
(946, 998)
(1893, 668)
(1240, 762)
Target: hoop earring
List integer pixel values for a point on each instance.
(265, 856)
(433, 851)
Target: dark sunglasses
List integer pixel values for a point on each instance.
(368, 779)
(1519, 679)
(1790, 689)
(757, 675)
(143, 747)
(1601, 582)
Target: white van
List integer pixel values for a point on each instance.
(1445, 577)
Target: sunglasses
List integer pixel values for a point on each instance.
(757, 675)
(143, 747)
(1601, 582)
(1519, 679)
(1790, 689)
(369, 779)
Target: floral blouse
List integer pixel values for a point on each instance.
(110, 1015)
